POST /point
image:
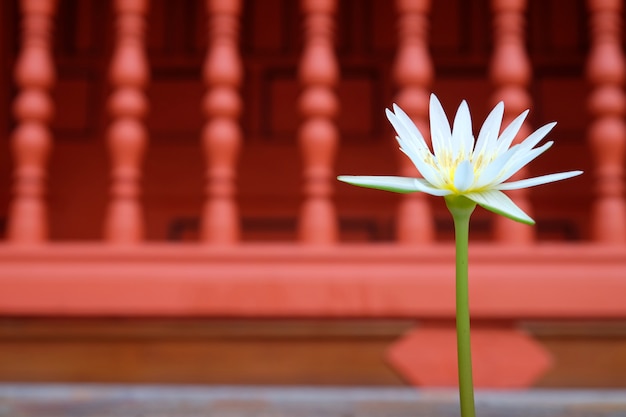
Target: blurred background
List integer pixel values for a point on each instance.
(140, 133)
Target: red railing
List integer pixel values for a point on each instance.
(410, 278)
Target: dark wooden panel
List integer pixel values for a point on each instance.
(198, 351)
(585, 354)
(81, 31)
(558, 36)
(175, 109)
(341, 352)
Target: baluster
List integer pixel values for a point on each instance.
(222, 134)
(413, 72)
(607, 133)
(127, 135)
(318, 134)
(33, 109)
(510, 74)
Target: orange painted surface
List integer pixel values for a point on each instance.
(427, 356)
(507, 284)
(225, 122)
(547, 281)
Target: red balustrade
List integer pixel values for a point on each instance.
(221, 136)
(318, 135)
(33, 108)
(127, 135)
(510, 73)
(508, 284)
(607, 132)
(413, 73)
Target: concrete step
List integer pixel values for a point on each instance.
(86, 400)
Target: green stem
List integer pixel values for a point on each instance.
(461, 209)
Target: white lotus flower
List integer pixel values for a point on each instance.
(458, 166)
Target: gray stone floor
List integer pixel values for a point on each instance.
(51, 400)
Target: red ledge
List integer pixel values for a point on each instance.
(542, 281)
